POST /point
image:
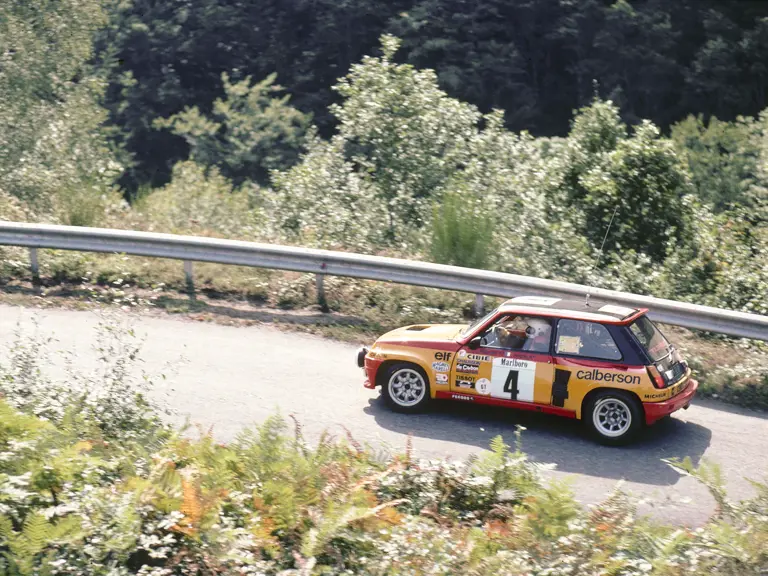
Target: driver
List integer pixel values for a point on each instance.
(511, 333)
(539, 332)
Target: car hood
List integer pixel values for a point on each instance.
(423, 333)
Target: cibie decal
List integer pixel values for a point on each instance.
(441, 378)
(467, 368)
(443, 356)
(462, 397)
(483, 386)
(441, 366)
(477, 358)
(598, 376)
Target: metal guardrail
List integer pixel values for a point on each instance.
(326, 262)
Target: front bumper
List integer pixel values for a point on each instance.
(369, 367)
(655, 411)
(361, 353)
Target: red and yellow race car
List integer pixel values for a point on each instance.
(607, 365)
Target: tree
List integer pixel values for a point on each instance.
(53, 145)
(645, 180)
(247, 135)
(722, 157)
(640, 176)
(403, 133)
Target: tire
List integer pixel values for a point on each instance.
(613, 417)
(406, 388)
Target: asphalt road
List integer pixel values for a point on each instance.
(232, 377)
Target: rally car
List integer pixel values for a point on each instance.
(607, 365)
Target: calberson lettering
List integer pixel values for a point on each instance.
(598, 376)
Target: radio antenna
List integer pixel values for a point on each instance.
(600, 252)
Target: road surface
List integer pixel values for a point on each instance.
(232, 377)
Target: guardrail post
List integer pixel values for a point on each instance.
(479, 305)
(189, 276)
(320, 286)
(34, 265)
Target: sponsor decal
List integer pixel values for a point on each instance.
(514, 363)
(443, 356)
(560, 387)
(477, 358)
(464, 383)
(655, 396)
(462, 397)
(617, 310)
(441, 366)
(467, 368)
(484, 386)
(598, 376)
(441, 378)
(462, 353)
(538, 300)
(569, 345)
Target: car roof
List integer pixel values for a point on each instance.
(592, 310)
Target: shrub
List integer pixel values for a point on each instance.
(462, 233)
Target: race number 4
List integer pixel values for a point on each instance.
(513, 379)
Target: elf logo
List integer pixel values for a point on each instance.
(443, 356)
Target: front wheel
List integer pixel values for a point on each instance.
(406, 388)
(613, 417)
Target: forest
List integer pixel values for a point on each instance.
(501, 135)
(623, 144)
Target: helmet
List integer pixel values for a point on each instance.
(537, 327)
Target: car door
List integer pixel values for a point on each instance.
(512, 362)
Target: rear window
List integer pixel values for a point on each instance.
(650, 338)
(589, 339)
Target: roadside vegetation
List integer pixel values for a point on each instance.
(92, 481)
(400, 160)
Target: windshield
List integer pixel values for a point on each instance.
(477, 323)
(650, 338)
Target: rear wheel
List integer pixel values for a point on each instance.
(406, 388)
(613, 417)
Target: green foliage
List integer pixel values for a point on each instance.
(462, 233)
(402, 132)
(248, 134)
(722, 157)
(640, 177)
(535, 59)
(272, 503)
(197, 201)
(52, 139)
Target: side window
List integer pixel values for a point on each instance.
(588, 339)
(523, 333)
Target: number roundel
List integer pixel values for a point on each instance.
(513, 379)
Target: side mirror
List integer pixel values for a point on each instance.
(474, 344)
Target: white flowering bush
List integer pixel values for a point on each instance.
(113, 399)
(91, 484)
(272, 504)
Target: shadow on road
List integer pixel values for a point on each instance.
(553, 439)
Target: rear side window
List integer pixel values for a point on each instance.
(587, 339)
(650, 338)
